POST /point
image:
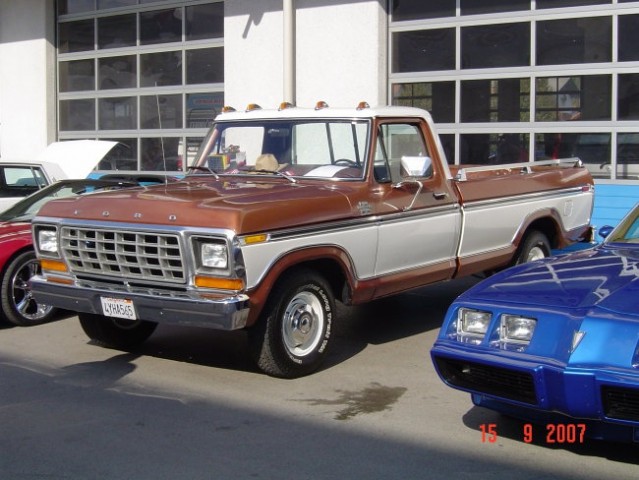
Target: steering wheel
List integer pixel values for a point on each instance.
(346, 162)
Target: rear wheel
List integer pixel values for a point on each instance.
(18, 304)
(292, 336)
(534, 247)
(116, 332)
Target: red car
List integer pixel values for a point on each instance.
(17, 258)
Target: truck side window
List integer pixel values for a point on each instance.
(394, 141)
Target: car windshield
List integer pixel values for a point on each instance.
(27, 208)
(628, 230)
(333, 149)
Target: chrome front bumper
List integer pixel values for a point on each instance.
(155, 305)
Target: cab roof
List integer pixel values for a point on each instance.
(321, 110)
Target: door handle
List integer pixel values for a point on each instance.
(440, 195)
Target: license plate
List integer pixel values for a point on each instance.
(118, 307)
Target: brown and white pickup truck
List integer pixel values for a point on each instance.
(287, 211)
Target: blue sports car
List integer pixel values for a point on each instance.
(555, 341)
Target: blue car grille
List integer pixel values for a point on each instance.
(496, 381)
(620, 403)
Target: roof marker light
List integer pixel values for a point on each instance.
(320, 105)
(253, 106)
(285, 105)
(362, 105)
(227, 109)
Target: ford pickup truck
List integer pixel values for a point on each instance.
(287, 211)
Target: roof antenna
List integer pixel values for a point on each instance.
(157, 102)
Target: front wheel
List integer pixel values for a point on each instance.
(292, 336)
(18, 304)
(116, 332)
(535, 247)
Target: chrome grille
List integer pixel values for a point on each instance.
(134, 256)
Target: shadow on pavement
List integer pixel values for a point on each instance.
(376, 323)
(61, 425)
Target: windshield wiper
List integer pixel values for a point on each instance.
(271, 172)
(205, 169)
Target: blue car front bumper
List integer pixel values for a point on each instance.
(539, 389)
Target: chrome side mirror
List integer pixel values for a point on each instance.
(416, 166)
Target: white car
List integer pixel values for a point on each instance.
(60, 160)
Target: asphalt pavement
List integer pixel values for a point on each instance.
(189, 404)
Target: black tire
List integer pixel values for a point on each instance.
(534, 247)
(116, 332)
(292, 336)
(18, 305)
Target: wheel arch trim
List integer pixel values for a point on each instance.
(325, 259)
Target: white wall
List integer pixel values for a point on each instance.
(253, 53)
(340, 52)
(27, 88)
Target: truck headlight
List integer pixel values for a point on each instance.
(47, 241)
(516, 329)
(214, 255)
(473, 323)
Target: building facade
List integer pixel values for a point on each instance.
(523, 80)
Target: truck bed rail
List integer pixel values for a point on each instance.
(522, 167)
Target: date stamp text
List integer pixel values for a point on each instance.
(554, 433)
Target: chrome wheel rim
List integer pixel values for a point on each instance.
(22, 297)
(303, 324)
(536, 253)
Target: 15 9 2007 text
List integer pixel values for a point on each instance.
(555, 433)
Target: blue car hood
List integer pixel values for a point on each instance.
(606, 277)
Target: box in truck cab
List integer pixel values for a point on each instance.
(286, 212)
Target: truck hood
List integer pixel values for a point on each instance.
(604, 277)
(242, 205)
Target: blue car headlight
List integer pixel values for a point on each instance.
(516, 330)
(472, 325)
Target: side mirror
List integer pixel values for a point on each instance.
(605, 231)
(416, 166)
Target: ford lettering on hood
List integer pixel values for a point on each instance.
(241, 205)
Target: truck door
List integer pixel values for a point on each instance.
(420, 218)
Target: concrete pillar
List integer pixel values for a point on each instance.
(340, 52)
(27, 77)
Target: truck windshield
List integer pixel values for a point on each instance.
(298, 148)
